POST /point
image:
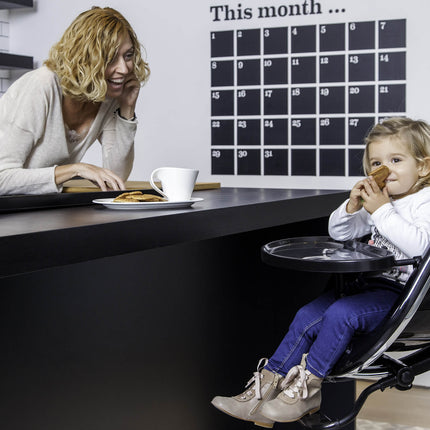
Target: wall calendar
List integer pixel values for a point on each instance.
(298, 100)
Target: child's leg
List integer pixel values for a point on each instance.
(301, 389)
(265, 385)
(301, 334)
(361, 312)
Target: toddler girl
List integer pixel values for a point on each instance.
(288, 385)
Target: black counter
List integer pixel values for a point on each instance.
(134, 320)
(40, 239)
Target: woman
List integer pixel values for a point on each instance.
(86, 91)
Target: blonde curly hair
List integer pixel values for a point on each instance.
(87, 46)
(414, 134)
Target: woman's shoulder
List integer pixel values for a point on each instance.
(35, 91)
(39, 80)
(43, 76)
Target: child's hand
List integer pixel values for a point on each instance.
(373, 197)
(355, 201)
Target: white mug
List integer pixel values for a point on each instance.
(177, 183)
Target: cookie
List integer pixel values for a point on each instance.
(137, 196)
(380, 174)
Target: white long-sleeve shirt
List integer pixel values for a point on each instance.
(402, 226)
(33, 138)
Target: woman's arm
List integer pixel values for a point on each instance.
(117, 140)
(104, 178)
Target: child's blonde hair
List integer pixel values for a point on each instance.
(85, 49)
(414, 134)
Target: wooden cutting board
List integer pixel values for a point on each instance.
(85, 186)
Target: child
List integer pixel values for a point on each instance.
(288, 385)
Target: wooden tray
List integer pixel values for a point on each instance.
(85, 186)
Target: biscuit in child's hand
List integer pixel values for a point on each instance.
(380, 174)
(137, 196)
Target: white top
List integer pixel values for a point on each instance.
(33, 138)
(402, 226)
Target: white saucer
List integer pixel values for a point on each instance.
(109, 203)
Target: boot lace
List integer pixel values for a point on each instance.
(256, 380)
(295, 383)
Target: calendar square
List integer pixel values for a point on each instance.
(303, 39)
(222, 73)
(392, 33)
(248, 42)
(332, 37)
(303, 162)
(361, 35)
(275, 40)
(303, 131)
(358, 128)
(222, 161)
(222, 43)
(276, 162)
(248, 162)
(392, 66)
(276, 131)
(392, 98)
(275, 71)
(362, 99)
(361, 67)
(382, 118)
(332, 68)
(248, 132)
(222, 103)
(332, 162)
(222, 132)
(303, 70)
(248, 72)
(303, 100)
(248, 102)
(332, 99)
(276, 101)
(355, 162)
(332, 131)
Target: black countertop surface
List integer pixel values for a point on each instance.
(38, 239)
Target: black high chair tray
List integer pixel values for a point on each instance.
(323, 254)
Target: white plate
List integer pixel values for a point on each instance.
(109, 203)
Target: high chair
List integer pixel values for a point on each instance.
(405, 330)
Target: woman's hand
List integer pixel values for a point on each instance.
(373, 197)
(355, 201)
(105, 179)
(128, 98)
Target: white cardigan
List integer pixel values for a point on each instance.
(33, 138)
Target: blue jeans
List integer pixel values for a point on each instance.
(324, 327)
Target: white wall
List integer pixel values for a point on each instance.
(174, 107)
(4, 47)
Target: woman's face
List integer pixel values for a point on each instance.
(120, 67)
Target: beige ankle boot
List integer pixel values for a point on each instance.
(262, 387)
(300, 395)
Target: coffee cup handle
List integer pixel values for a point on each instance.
(151, 181)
